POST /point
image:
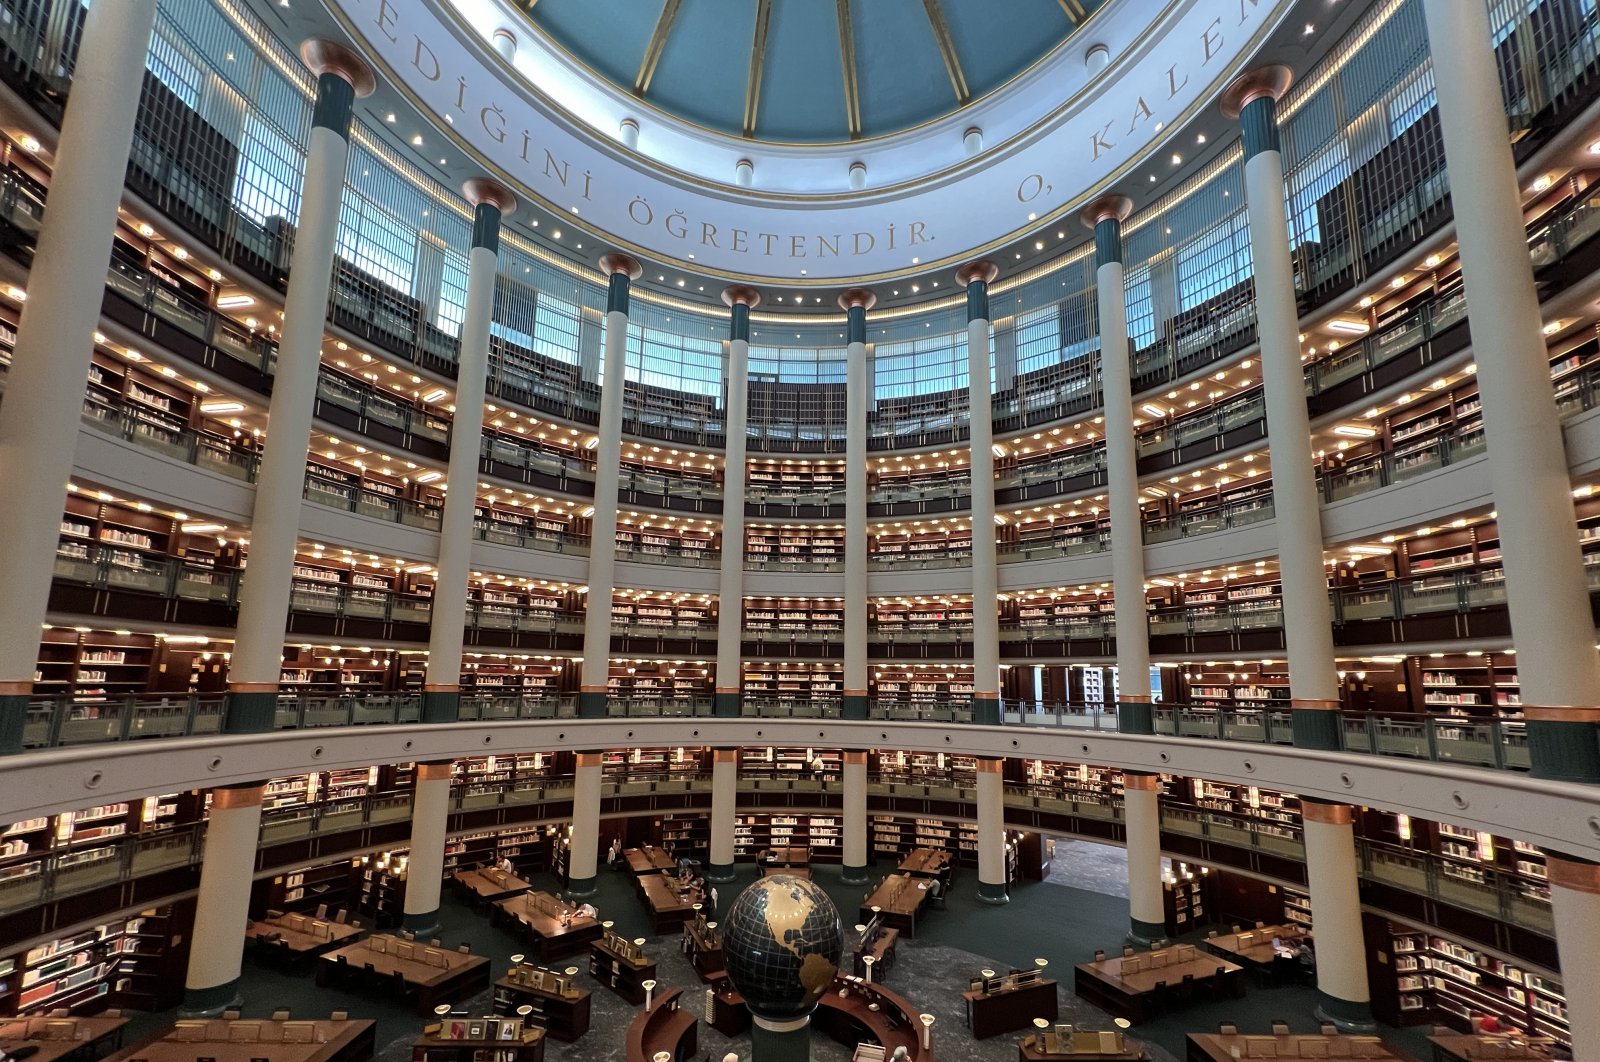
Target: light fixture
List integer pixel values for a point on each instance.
(235, 302)
(1348, 326)
(206, 527)
(1153, 409)
(30, 144)
(1355, 431)
(435, 394)
(222, 405)
(430, 477)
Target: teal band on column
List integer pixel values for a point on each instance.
(1347, 1016)
(739, 322)
(617, 293)
(1107, 242)
(853, 706)
(252, 712)
(1136, 717)
(1564, 751)
(1259, 122)
(728, 705)
(986, 711)
(580, 887)
(424, 924)
(441, 706)
(486, 227)
(1316, 728)
(592, 705)
(850, 875)
(791, 1045)
(1145, 933)
(993, 892)
(856, 324)
(977, 301)
(13, 720)
(211, 1002)
(336, 99)
(719, 873)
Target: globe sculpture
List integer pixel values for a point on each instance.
(781, 944)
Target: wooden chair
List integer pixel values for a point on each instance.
(1186, 989)
(465, 949)
(339, 1015)
(1211, 935)
(1099, 955)
(436, 942)
(1235, 928)
(322, 911)
(1328, 1028)
(1127, 951)
(1280, 1028)
(341, 916)
(1228, 1028)
(230, 1015)
(280, 1014)
(355, 923)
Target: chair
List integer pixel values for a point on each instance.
(355, 923)
(1261, 925)
(1228, 1028)
(406, 934)
(465, 949)
(1234, 928)
(280, 1014)
(230, 1015)
(436, 942)
(111, 1012)
(322, 911)
(339, 1015)
(1186, 989)
(1211, 935)
(1099, 955)
(341, 916)
(1127, 951)
(1280, 1028)
(1328, 1028)
(273, 914)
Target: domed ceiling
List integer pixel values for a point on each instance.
(809, 71)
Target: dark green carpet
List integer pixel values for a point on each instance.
(1061, 924)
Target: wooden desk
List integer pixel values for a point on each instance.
(529, 1047)
(330, 1041)
(1133, 995)
(882, 951)
(669, 907)
(299, 935)
(795, 857)
(1464, 1048)
(555, 929)
(463, 976)
(565, 1016)
(62, 1039)
(623, 976)
(769, 870)
(1032, 1050)
(487, 883)
(1253, 947)
(847, 1019)
(704, 948)
(992, 1013)
(666, 1026)
(925, 862)
(901, 898)
(1215, 1047)
(648, 860)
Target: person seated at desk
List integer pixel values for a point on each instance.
(505, 866)
(588, 910)
(614, 853)
(1492, 1025)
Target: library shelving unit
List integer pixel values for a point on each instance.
(920, 617)
(669, 615)
(1065, 532)
(786, 618)
(310, 888)
(918, 478)
(653, 764)
(942, 769)
(1080, 782)
(920, 543)
(666, 538)
(1061, 612)
(503, 770)
(687, 834)
(1443, 981)
(804, 547)
(1243, 686)
(136, 961)
(544, 521)
(894, 836)
(1248, 801)
(794, 683)
(511, 676)
(651, 470)
(380, 889)
(1469, 684)
(1297, 907)
(658, 682)
(755, 832)
(909, 686)
(773, 481)
(1185, 897)
(780, 763)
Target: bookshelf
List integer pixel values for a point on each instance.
(794, 683)
(521, 675)
(912, 687)
(658, 682)
(805, 547)
(1185, 898)
(669, 615)
(788, 763)
(823, 834)
(666, 539)
(1444, 981)
(1297, 907)
(137, 961)
(1469, 684)
(791, 618)
(920, 617)
(788, 482)
(932, 543)
(893, 836)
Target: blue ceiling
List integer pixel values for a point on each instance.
(914, 60)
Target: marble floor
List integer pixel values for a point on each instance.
(1101, 868)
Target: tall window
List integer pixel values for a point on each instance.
(676, 363)
(266, 184)
(1213, 262)
(376, 243)
(920, 367)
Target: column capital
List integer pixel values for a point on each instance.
(982, 270)
(741, 295)
(858, 298)
(1567, 872)
(1326, 813)
(618, 264)
(1264, 82)
(323, 56)
(1106, 208)
(481, 190)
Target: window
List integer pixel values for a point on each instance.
(923, 366)
(1213, 262)
(266, 184)
(377, 244)
(675, 363)
(555, 329)
(1308, 184)
(1413, 101)
(798, 365)
(182, 77)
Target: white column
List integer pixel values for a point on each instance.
(1575, 903)
(430, 818)
(1307, 614)
(856, 302)
(55, 338)
(730, 586)
(222, 909)
(1546, 590)
(976, 277)
(582, 857)
(724, 802)
(854, 813)
(1106, 216)
(1332, 879)
(280, 481)
(1141, 820)
(441, 697)
(620, 271)
(992, 877)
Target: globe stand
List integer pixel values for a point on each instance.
(780, 1039)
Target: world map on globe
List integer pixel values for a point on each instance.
(782, 944)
